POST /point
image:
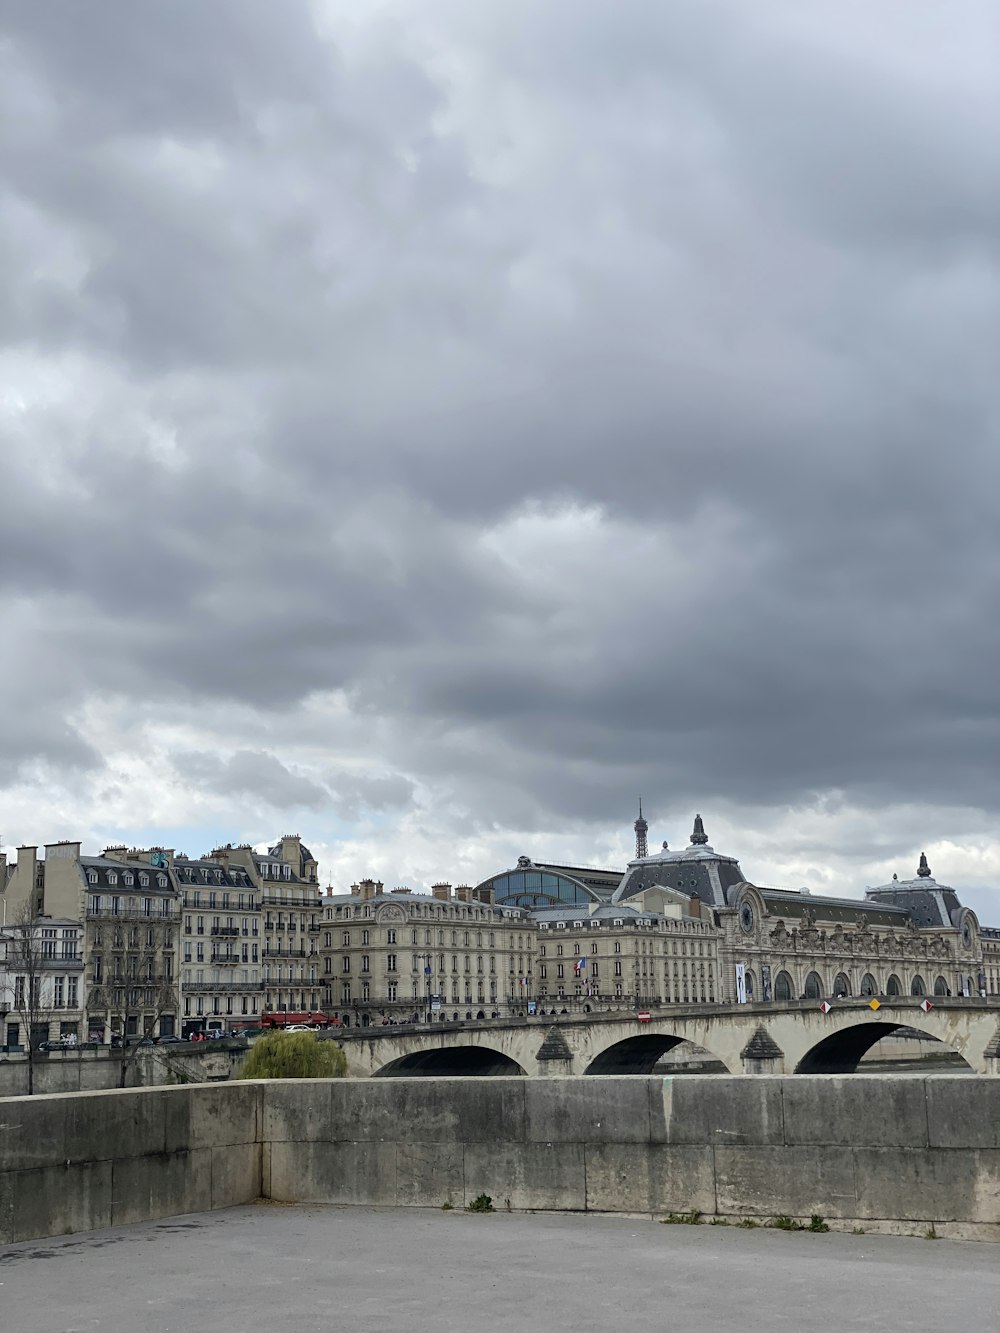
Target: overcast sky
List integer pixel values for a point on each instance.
(427, 425)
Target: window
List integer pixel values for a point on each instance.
(390, 936)
(390, 962)
(345, 963)
(618, 967)
(91, 876)
(560, 969)
(618, 946)
(365, 962)
(59, 992)
(143, 879)
(364, 937)
(72, 993)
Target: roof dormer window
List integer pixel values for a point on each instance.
(161, 881)
(128, 877)
(143, 879)
(91, 876)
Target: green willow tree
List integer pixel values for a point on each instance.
(294, 1055)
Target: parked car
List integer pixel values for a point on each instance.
(169, 1039)
(299, 1027)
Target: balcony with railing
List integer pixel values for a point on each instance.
(230, 984)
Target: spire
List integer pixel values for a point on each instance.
(698, 835)
(923, 869)
(641, 829)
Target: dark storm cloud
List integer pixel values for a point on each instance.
(599, 399)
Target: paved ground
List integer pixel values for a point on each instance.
(407, 1271)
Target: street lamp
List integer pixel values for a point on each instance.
(426, 958)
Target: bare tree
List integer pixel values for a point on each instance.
(137, 984)
(26, 975)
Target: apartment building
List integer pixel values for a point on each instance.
(41, 966)
(614, 953)
(220, 939)
(287, 878)
(398, 956)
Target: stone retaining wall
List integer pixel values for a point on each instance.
(876, 1152)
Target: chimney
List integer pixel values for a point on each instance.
(442, 891)
(463, 892)
(401, 889)
(290, 850)
(484, 895)
(368, 888)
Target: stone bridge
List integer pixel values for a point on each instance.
(754, 1039)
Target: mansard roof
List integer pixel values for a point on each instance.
(926, 902)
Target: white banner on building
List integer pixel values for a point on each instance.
(741, 983)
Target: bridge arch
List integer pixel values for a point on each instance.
(841, 1051)
(638, 1054)
(452, 1062)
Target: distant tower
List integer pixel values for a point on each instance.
(923, 870)
(699, 837)
(641, 829)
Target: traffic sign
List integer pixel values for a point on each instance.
(873, 1003)
(926, 1006)
(643, 1015)
(826, 1007)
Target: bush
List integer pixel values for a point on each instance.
(294, 1055)
(482, 1203)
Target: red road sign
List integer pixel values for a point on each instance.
(643, 1016)
(826, 1007)
(926, 1006)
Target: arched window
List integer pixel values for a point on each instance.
(917, 986)
(869, 986)
(782, 987)
(749, 985)
(940, 986)
(813, 988)
(841, 986)
(892, 986)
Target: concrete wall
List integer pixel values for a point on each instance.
(75, 1162)
(877, 1152)
(94, 1071)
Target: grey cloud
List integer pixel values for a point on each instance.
(251, 773)
(301, 322)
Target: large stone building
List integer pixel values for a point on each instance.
(694, 909)
(405, 957)
(911, 938)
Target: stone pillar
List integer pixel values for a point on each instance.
(762, 1054)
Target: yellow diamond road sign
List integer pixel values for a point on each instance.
(874, 1004)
